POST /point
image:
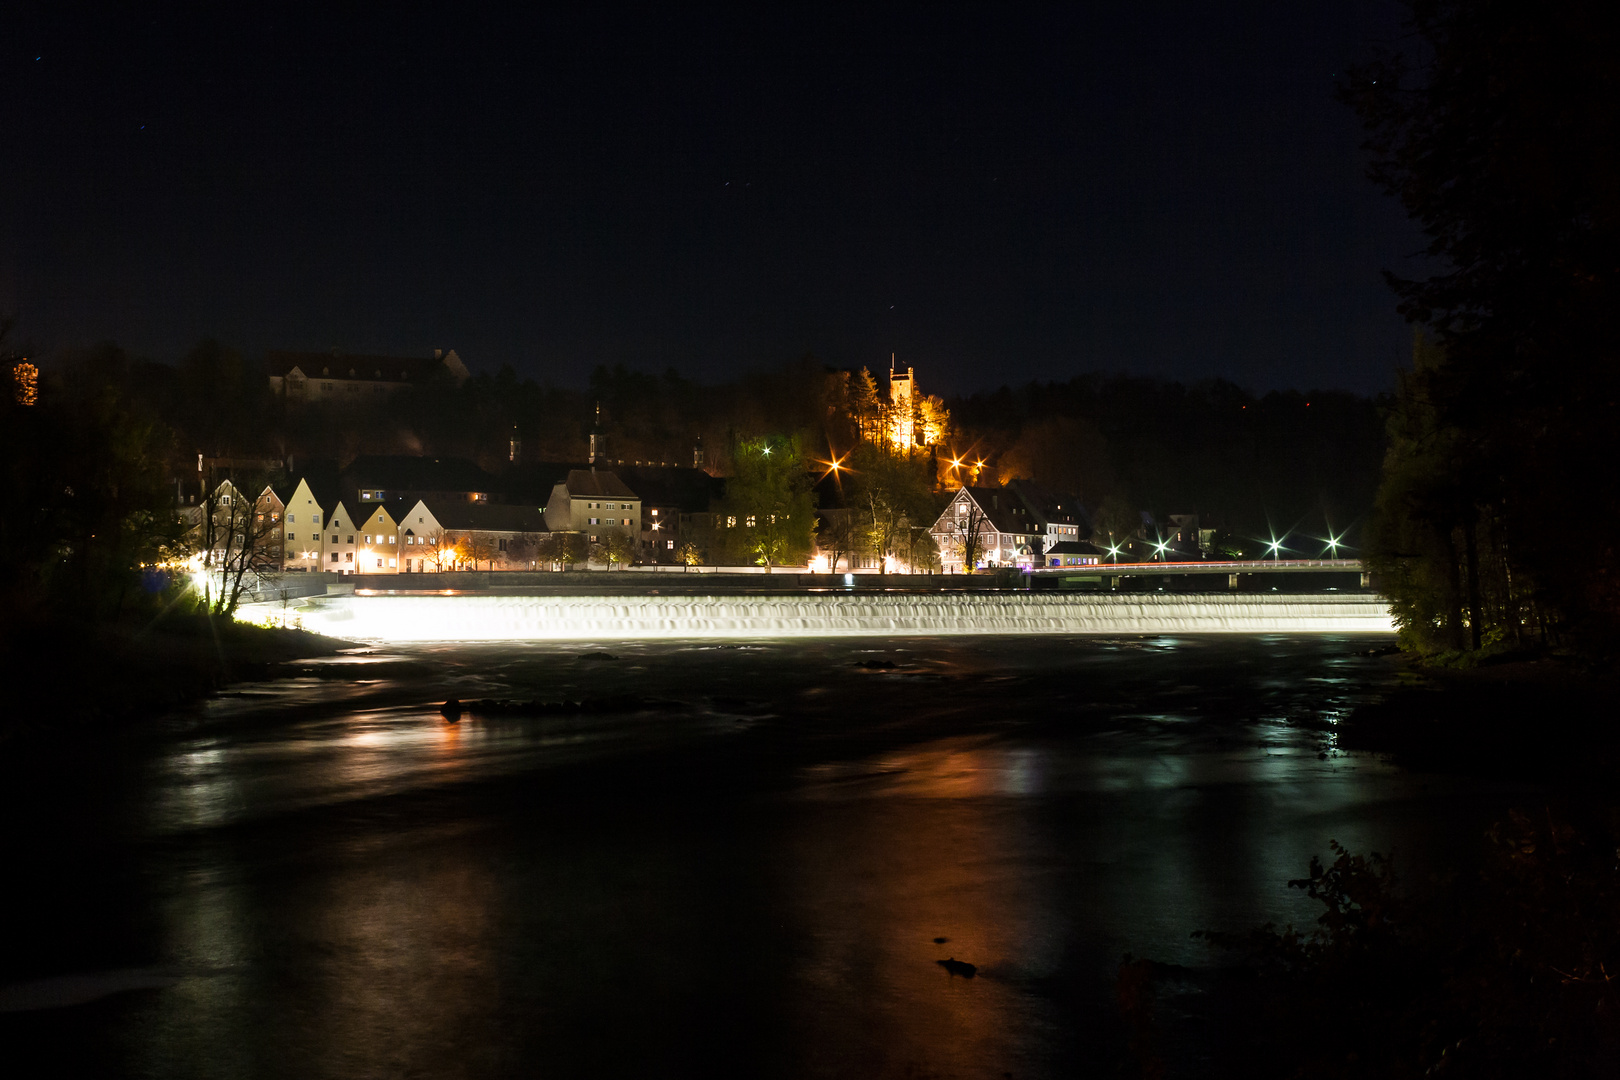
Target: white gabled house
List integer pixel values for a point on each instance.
(1005, 531)
(341, 536)
(422, 547)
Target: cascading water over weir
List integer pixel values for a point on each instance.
(563, 618)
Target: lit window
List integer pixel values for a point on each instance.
(750, 522)
(349, 557)
(368, 538)
(393, 540)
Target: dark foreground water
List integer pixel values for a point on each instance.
(743, 873)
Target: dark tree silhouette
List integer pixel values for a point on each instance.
(1496, 127)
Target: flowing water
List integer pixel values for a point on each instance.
(565, 618)
(688, 857)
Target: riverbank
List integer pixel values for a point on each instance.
(1536, 717)
(71, 675)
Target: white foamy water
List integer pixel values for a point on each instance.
(563, 618)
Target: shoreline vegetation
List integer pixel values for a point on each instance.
(1499, 961)
(1540, 716)
(132, 669)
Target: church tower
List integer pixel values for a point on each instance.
(598, 440)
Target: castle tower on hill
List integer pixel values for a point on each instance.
(902, 406)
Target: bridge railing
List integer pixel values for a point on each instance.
(1229, 566)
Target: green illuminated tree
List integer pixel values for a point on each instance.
(889, 493)
(769, 498)
(618, 547)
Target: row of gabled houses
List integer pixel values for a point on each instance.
(407, 515)
(388, 515)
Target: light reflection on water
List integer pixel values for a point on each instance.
(746, 872)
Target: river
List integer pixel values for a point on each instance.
(732, 858)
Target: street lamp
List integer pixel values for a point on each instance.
(1276, 549)
(1113, 553)
(1332, 546)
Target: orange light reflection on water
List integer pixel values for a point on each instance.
(925, 845)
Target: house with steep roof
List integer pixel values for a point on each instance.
(230, 521)
(303, 529)
(994, 521)
(423, 546)
(592, 501)
(340, 537)
(378, 552)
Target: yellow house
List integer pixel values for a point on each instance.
(302, 529)
(379, 543)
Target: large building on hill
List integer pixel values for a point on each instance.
(355, 379)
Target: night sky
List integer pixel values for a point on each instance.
(996, 196)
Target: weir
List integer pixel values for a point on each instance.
(567, 618)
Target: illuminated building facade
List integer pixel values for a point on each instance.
(593, 501)
(339, 378)
(1004, 531)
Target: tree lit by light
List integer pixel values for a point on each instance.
(27, 378)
